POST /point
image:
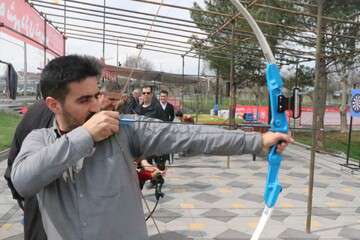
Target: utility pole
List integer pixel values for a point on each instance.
(25, 68)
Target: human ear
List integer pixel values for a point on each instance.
(53, 104)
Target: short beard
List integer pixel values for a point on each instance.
(71, 122)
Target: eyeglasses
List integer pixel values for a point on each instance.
(146, 93)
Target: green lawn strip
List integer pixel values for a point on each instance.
(207, 119)
(8, 123)
(335, 142)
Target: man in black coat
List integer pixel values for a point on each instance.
(150, 106)
(38, 116)
(166, 106)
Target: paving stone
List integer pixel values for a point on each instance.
(285, 185)
(277, 215)
(8, 215)
(166, 198)
(227, 175)
(329, 174)
(192, 174)
(340, 196)
(350, 233)
(219, 214)
(170, 235)
(293, 234)
(260, 174)
(198, 185)
(318, 184)
(165, 215)
(351, 184)
(252, 197)
(286, 167)
(206, 197)
(252, 167)
(296, 196)
(297, 174)
(231, 234)
(16, 237)
(325, 213)
(357, 210)
(238, 184)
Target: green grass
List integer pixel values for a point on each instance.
(8, 123)
(334, 142)
(207, 119)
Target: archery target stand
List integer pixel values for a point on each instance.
(355, 112)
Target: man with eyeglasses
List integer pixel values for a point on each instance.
(151, 107)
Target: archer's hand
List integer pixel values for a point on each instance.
(280, 139)
(102, 125)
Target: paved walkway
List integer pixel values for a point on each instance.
(206, 200)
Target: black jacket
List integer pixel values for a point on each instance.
(169, 111)
(38, 116)
(153, 111)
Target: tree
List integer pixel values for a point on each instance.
(139, 63)
(333, 52)
(218, 50)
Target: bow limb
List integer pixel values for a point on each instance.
(259, 35)
(278, 121)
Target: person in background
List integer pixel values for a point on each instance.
(179, 116)
(150, 106)
(166, 106)
(38, 116)
(110, 95)
(133, 102)
(111, 99)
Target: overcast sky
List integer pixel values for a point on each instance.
(12, 50)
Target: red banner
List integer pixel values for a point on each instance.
(23, 22)
(260, 113)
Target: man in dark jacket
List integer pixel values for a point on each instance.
(38, 116)
(166, 106)
(151, 107)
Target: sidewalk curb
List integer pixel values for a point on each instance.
(4, 154)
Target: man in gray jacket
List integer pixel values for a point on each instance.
(82, 169)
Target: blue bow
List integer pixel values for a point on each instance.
(278, 121)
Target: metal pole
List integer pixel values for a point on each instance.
(296, 85)
(117, 52)
(45, 40)
(65, 26)
(217, 92)
(103, 42)
(349, 142)
(198, 89)
(314, 121)
(65, 17)
(183, 80)
(232, 84)
(25, 68)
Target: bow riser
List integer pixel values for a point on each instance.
(278, 123)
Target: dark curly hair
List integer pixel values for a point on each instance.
(61, 71)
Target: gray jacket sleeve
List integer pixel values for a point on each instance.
(158, 138)
(40, 162)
